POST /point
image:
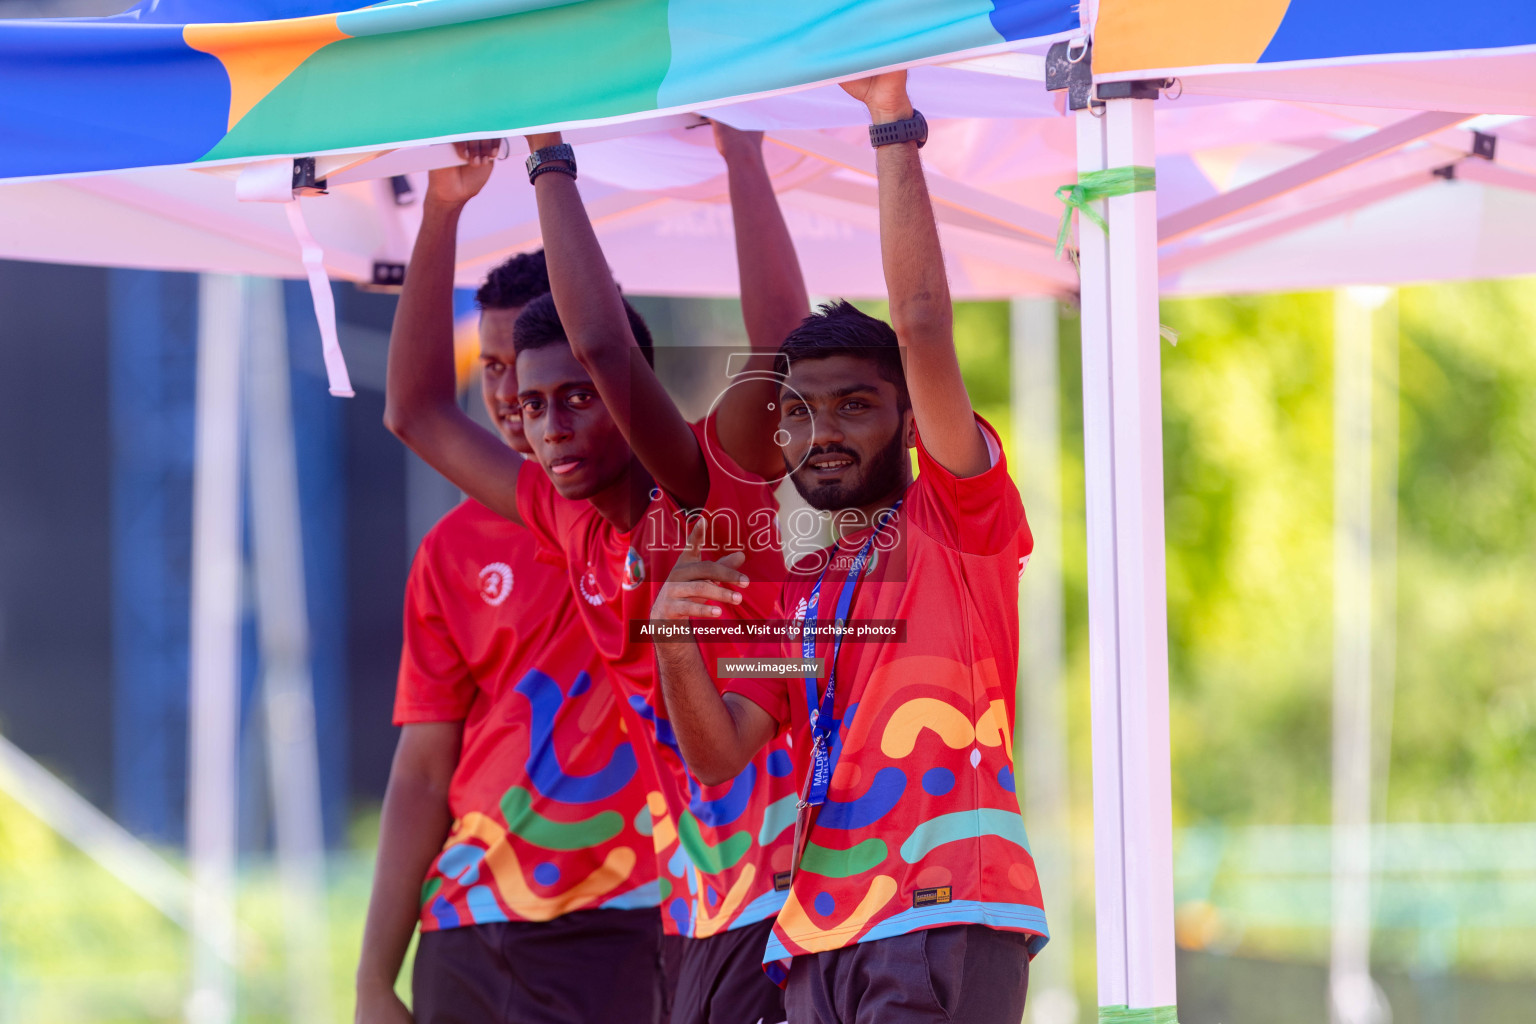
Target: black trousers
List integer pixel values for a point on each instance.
(964, 973)
(721, 980)
(586, 967)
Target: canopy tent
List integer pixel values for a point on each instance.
(1262, 186)
(196, 82)
(1407, 54)
(659, 200)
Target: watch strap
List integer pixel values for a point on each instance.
(911, 129)
(546, 160)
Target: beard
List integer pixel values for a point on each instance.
(880, 477)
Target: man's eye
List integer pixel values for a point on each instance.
(795, 410)
(854, 405)
(580, 398)
(494, 367)
(529, 406)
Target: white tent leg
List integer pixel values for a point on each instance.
(1361, 483)
(1041, 741)
(1127, 609)
(293, 761)
(215, 648)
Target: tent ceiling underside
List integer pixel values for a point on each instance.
(1243, 184)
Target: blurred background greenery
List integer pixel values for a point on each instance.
(1249, 480)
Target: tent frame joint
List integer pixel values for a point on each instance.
(1069, 68)
(305, 182)
(1141, 89)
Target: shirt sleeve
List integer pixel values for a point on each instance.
(730, 486)
(434, 683)
(772, 695)
(975, 515)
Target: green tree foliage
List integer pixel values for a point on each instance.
(1248, 471)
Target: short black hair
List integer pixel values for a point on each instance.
(841, 329)
(538, 326)
(515, 283)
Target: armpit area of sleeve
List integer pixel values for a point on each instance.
(772, 695)
(979, 514)
(417, 712)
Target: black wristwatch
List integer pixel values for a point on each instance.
(547, 159)
(912, 129)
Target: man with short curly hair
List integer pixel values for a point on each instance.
(510, 748)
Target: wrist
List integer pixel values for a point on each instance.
(886, 113)
(438, 208)
(374, 976)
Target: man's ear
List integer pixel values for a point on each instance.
(909, 428)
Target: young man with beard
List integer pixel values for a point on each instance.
(619, 528)
(510, 736)
(915, 897)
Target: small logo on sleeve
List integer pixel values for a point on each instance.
(781, 882)
(634, 571)
(932, 897)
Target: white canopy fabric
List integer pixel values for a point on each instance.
(1000, 149)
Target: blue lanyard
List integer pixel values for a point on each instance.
(823, 724)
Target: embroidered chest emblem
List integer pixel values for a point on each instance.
(495, 583)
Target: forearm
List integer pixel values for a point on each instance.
(412, 831)
(421, 380)
(921, 312)
(591, 310)
(421, 389)
(773, 295)
(708, 734)
(773, 302)
(595, 322)
(915, 279)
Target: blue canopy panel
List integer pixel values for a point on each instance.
(152, 87)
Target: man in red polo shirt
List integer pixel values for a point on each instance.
(915, 897)
(616, 518)
(511, 735)
(736, 837)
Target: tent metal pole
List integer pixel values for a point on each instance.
(1329, 162)
(212, 792)
(946, 191)
(1175, 263)
(1041, 743)
(287, 689)
(1103, 646)
(1364, 469)
(1122, 413)
(1140, 576)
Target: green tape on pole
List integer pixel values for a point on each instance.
(1096, 185)
(1141, 1015)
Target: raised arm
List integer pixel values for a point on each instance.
(919, 289)
(592, 314)
(717, 734)
(773, 300)
(421, 395)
